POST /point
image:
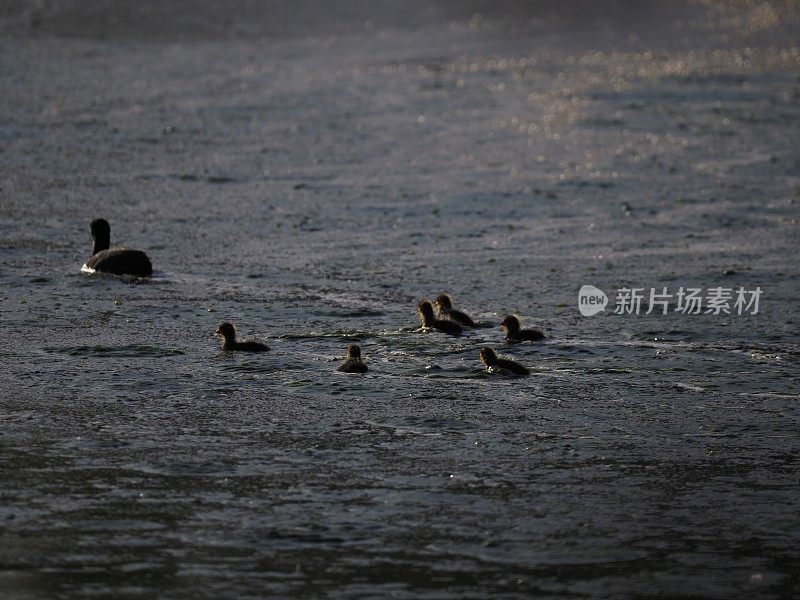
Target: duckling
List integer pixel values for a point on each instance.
(445, 306)
(515, 334)
(118, 261)
(228, 334)
(425, 310)
(493, 363)
(353, 363)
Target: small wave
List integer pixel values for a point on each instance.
(156, 277)
(344, 335)
(186, 470)
(424, 424)
(129, 351)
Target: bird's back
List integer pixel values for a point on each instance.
(448, 327)
(459, 317)
(511, 366)
(121, 261)
(250, 346)
(531, 335)
(353, 365)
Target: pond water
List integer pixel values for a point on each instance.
(312, 189)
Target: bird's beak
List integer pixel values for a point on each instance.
(218, 332)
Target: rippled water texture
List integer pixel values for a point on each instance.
(311, 179)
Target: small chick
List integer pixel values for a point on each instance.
(353, 362)
(493, 363)
(425, 310)
(228, 334)
(445, 306)
(515, 334)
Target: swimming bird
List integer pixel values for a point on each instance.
(353, 363)
(445, 306)
(493, 363)
(228, 334)
(118, 261)
(425, 310)
(515, 334)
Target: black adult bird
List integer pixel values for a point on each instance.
(353, 363)
(515, 334)
(425, 310)
(118, 261)
(494, 363)
(445, 305)
(228, 334)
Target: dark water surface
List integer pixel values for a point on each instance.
(312, 189)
